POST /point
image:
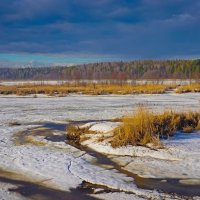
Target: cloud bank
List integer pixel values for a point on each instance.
(124, 28)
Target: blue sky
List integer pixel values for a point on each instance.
(56, 59)
(96, 30)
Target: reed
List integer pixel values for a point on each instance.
(145, 126)
(83, 88)
(188, 88)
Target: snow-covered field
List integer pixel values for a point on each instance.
(64, 167)
(179, 159)
(55, 82)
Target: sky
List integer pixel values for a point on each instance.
(98, 30)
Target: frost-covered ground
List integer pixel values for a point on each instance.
(179, 159)
(164, 81)
(66, 167)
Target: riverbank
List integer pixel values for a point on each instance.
(62, 166)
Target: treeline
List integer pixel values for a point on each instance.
(148, 69)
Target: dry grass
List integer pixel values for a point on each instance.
(189, 88)
(75, 133)
(91, 89)
(142, 128)
(188, 129)
(31, 140)
(145, 127)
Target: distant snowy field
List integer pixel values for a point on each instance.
(67, 167)
(55, 82)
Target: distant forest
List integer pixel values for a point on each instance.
(148, 69)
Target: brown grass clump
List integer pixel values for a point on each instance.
(86, 88)
(189, 88)
(145, 127)
(188, 129)
(31, 140)
(74, 133)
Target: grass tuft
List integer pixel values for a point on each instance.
(188, 88)
(74, 133)
(188, 129)
(31, 140)
(145, 127)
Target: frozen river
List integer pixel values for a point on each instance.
(64, 167)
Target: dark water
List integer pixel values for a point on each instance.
(168, 185)
(37, 192)
(172, 186)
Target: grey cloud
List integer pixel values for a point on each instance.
(130, 28)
